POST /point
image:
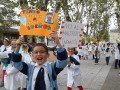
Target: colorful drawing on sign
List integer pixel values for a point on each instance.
(36, 22)
(23, 20)
(49, 18)
(70, 34)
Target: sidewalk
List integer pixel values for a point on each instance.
(112, 81)
(94, 77)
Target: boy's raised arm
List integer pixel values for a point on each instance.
(62, 55)
(17, 62)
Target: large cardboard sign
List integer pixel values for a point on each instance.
(71, 34)
(36, 22)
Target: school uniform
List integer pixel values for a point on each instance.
(117, 57)
(85, 51)
(4, 48)
(73, 72)
(22, 78)
(97, 54)
(10, 79)
(80, 53)
(90, 48)
(51, 70)
(107, 53)
(36, 70)
(4, 61)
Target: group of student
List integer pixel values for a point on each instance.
(110, 49)
(24, 69)
(96, 49)
(11, 77)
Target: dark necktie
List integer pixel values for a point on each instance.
(40, 82)
(5, 50)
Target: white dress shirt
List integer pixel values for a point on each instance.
(46, 78)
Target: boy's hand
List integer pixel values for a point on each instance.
(16, 57)
(54, 36)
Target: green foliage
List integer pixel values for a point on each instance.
(105, 36)
(96, 13)
(7, 14)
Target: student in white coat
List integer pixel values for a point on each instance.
(80, 53)
(74, 76)
(85, 50)
(10, 79)
(107, 53)
(25, 58)
(3, 48)
(117, 56)
(90, 47)
(97, 50)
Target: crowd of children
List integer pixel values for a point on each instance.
(26, 68)
(30, 70)
(107, 48)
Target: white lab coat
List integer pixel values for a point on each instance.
(80, 52)
(107, 54)
(117, 53)
(73, 74)
(2, 50)
(11, 79)
(3, 47)
(90, 47)
(23, 78)
(85, 50)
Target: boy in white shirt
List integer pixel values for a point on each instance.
(42, 75)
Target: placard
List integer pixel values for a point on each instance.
(70, 34)
(36, 22)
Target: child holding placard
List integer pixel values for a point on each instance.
(42, 75)
(74, 76)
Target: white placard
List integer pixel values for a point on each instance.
(70, 34)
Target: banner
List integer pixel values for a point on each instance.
(36, 22)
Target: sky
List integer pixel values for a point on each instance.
(113, 23)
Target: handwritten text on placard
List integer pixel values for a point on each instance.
(71, 34)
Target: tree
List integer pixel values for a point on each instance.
(105, 36)
(117, 13)
(7, 14)
(88, 12)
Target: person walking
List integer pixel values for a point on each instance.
(96, 53)
(107, 53)
(11, 76)
(117, 56)
(3, 48)
(73, 68)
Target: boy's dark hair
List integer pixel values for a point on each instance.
(41, 44)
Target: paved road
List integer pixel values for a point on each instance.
(94, 77)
